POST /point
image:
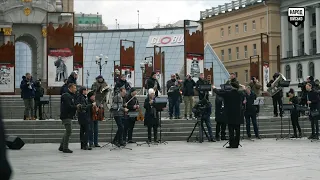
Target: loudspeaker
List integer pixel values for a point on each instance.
(14, 142)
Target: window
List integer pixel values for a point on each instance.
(314, 19)
(262, 23)
(244, 27)
(246, 75)
(299, 71)
(245, 51)
(237, 52)
(314, 44)
(222, 32)
(80, 22)
(253, 25)
(229, 30)
(93, 22)
(222, 55)
(237, 29)
(311, 69)
(229, 52)
(288, 72)
(254, 49)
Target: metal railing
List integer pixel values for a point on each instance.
(227, 7)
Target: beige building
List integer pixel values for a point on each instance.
(68, 5)
(235, 35)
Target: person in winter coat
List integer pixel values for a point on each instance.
(188, 93)
(28, 93)
(37, 103)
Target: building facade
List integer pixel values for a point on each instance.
(300, 46)
(67, 5)
(234, 32)
(89, 22)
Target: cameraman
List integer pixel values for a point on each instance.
(202, 81)
(204, 109)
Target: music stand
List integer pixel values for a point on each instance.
(259, 101)
(287, 107)
(111, 118)
(159, 104)
(43, 101)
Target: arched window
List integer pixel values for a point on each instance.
(93, 22)
(288, 72)
(311, 69)
(87, 22)
(299, 71)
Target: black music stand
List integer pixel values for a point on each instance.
(287, 107)
(160, 103)
(108, 143)
(44, 101)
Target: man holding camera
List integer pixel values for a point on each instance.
(28, 93)
(250, 112)
(173, 91)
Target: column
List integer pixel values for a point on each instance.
(295, 41)
(44, 62)
(284, 35)
(306, 32)
(318, 27)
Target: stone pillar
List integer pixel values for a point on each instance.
(284, 35)
(295, 41)
(7, 34)
(44, 62)
(318, 27)
(306, 32)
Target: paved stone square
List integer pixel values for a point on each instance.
(261, 159)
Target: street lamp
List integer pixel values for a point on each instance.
(101, 61)
(149, 61)
(143, 68)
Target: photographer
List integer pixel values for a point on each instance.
(173, 91)
(188, 93)
(256, 88)
(220, 118)
(202, 81)
(203, 110)
(294, 114)
(250, 112)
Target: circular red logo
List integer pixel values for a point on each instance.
(165, 40)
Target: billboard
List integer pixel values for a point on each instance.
(166, 40)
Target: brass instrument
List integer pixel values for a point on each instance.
(275, 87)
(104, 88)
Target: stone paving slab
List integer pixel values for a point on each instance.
(265, 159)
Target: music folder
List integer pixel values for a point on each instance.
(259, 101)
(133, 114)
(287, 106)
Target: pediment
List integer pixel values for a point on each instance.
(17, 15)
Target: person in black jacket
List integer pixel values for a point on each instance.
(220, 118)
(64, 87)
(28, 93)
(37, 103)
(312, 100)
(294, 114)
(129, 122)
(153, 83)
(73, 78)
(188, 93)
(233, 109)
(233, 81)
(122, 83)
(68, 110)
(151, 116)
(173, 91)
(5, 168)
(83, 117)
(277, 98)
(250, 112)
(202, 81)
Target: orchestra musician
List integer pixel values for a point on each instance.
(118, 110)
(153, 83)
(294, 114)
(233, 109)
(133, 105)
(220, 118)
(122, 83)
(151, 119)
(277, 98)
(173, 91)
(311, 98)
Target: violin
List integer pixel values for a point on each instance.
(140, 116)
(97, 113)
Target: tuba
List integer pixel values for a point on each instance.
(275, 86)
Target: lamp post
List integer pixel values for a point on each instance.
(251, 57)
(101, 61)
(138, 19)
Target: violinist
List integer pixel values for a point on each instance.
(151, 115)
(133, 105)
(83, 117)
(93, 124)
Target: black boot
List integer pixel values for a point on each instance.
(300, 135)
(67, 151)
(82, 146)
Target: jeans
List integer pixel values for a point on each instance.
(84, 130)
(253, 118)
(188, 104)
(314, 125)
(155, 132)
(234, 135)
(68, 131)
(223, 127)
(174, 104)
(93, 132)
(277, 101)
(28, 107)
(209, 127)
(37, 105)
(119, 135)
(128, 128)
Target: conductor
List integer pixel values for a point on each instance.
(233, 110)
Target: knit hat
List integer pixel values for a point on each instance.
(291, 91)
(132, 90)
(153, 73)
(98, 77)
(91, 93)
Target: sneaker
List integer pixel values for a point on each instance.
(67, 151)
(97, 145)
(218, 138)
(130, 142)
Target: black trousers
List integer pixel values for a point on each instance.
(119, 135)
(38, 105)
(222, 127)
(234, 134)
(84, 133)
(295, 123)
(128, 128)
(155, 132)
(314, 125)
(277, 101)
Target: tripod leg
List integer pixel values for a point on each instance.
(192, 131)
(205, 132)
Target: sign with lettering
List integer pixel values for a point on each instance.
(166, 40)
(296, 15)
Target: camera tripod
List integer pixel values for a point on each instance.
(201, 130)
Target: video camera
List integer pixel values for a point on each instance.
(199, 109)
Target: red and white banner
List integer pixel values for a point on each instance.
(194, 66)
(6, 78)
(266, 76)
(129, 72)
